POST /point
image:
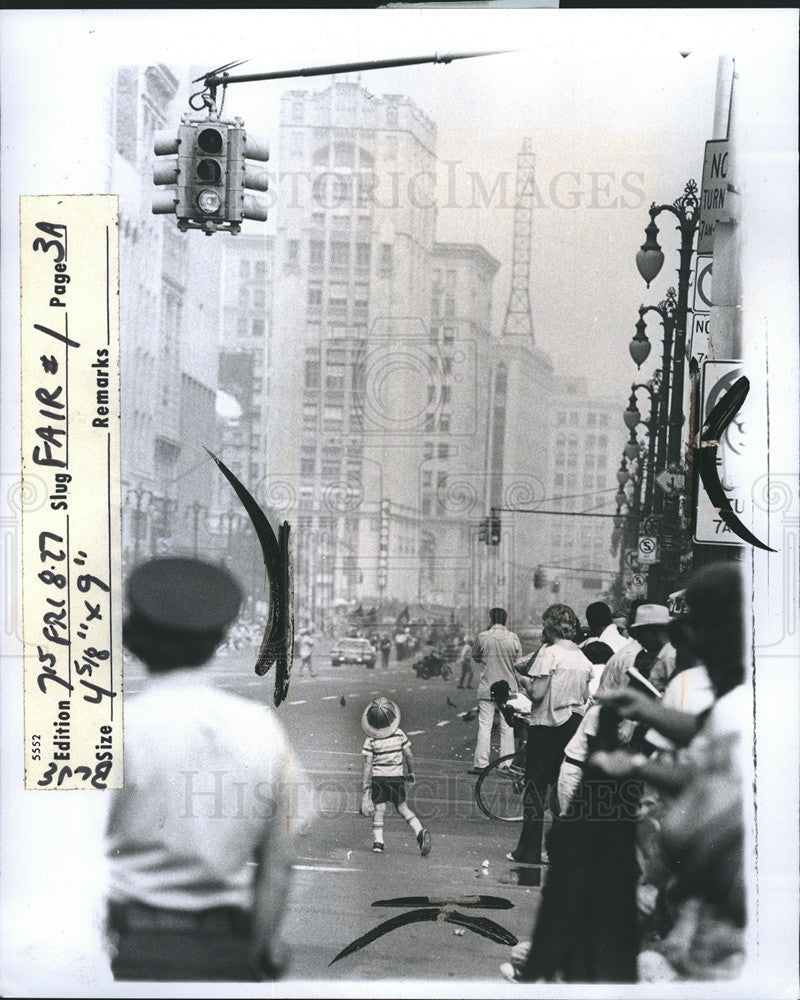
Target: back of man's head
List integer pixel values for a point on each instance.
(178, 611)
(498, 616)
(598, 617)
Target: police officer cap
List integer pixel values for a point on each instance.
(183, 595)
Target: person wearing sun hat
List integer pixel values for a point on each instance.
(388, 765)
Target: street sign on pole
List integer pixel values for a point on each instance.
(672, 481)
(702, 285)
(713, 193)
(647, 550)
(700, 343)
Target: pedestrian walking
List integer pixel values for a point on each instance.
(496, 650)
(388, 766)
(385, 646)
(465, 662)
(306, 650)
(198, 883)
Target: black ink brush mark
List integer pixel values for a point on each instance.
(480, 902)
(448, 914)
(706, 454)
(276, 644)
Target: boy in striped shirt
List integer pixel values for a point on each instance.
(388, 764)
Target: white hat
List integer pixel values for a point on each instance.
(381, 718)
(650, 614)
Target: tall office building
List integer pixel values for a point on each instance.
(376, 343)
(587, 435)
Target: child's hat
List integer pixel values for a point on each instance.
(381, 718)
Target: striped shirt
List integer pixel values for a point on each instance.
(387, 754)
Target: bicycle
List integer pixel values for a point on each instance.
(500, 788)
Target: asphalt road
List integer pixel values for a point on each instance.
(337, 875)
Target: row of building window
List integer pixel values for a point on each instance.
(340, 255)
(601, 440)
(573, 418)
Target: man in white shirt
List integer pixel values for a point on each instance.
(496, 649)
(602, 627)
(199, 839)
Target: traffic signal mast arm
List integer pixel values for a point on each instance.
(221, 79)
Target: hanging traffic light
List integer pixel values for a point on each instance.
(210, 174)
(483, 531)
(538, 578)
(494, 531)
(165, 171)
(204, 157)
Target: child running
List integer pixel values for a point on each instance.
(388, 764)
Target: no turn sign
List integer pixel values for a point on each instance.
(648, 550)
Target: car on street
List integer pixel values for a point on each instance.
(352, 650)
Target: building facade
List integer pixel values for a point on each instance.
(587, 437)
(169, 316)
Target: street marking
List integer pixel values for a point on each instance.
(415, 732)
(409, 689)
(324, 868)
(329, 697)
(444, 722)
(301, 702)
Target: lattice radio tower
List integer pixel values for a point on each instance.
(518, 319)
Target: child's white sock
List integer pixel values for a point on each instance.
(409, 817)
(415, 824)
(377, 834)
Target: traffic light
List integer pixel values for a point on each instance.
(483, 531)
(210, 174)
(555, 586)
(538, 578)
(494, 531)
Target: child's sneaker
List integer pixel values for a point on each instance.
(378, 847)
(424, 841)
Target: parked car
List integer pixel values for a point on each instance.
(353, 651)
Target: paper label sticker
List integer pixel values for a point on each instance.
(72, 572)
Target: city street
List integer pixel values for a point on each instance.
(337, 876)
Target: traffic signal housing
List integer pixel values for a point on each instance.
(494, 531)
(538, 578)
(205, 175)
(483, 531)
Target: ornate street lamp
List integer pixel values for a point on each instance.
(649, 261)
(650, 258)
(639, 347)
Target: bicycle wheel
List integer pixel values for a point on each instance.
(499, 793)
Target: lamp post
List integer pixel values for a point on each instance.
(633, 419)
(640, 348)
(649, 261)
